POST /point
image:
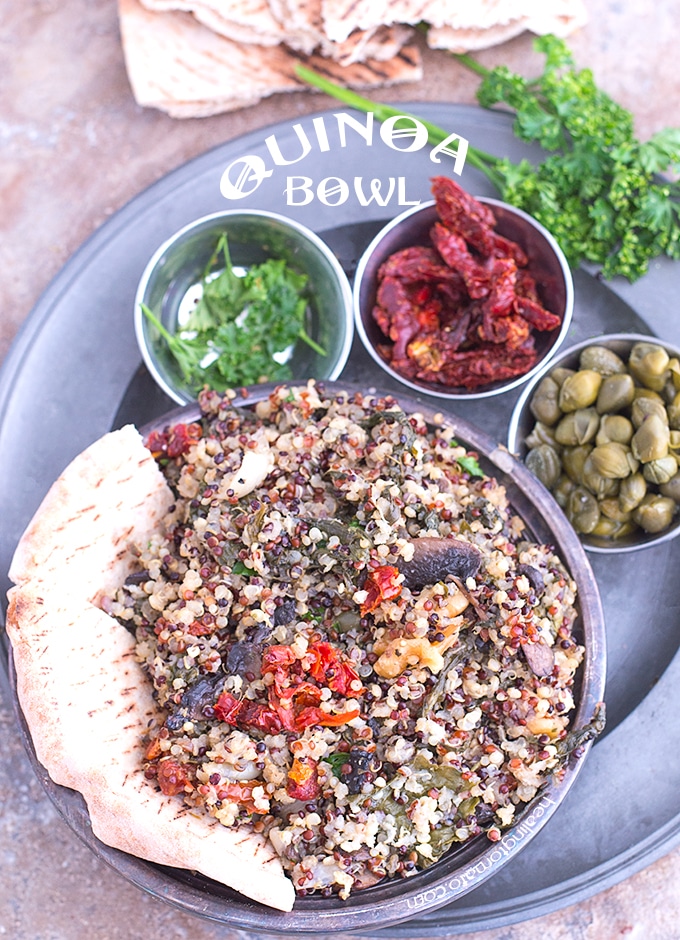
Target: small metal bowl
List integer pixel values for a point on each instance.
(547, 264)
(522, 421)
(169, 283)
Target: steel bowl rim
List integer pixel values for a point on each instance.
(205, 221)
(515, 445)
(472, 395)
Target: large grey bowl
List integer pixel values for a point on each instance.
(171, 275)
(463, 868)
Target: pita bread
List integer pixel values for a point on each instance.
(176, 64)
(86, 699)
(250, 21)
(541, 16)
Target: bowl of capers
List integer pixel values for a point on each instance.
(599, 426)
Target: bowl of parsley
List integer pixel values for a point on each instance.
(240, 298)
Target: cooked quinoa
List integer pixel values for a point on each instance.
(357, 647)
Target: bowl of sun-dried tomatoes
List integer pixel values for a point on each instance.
(462, 297)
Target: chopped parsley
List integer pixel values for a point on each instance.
(244, 326)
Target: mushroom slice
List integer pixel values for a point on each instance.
(435, 558)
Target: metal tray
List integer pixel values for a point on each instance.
(74, 372)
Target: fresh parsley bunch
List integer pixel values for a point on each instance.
(600, 191)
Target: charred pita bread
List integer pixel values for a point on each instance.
(85, 698)
(176, 64)
(250, 21)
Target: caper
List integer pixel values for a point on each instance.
(580, 390)
(614, 428)
(594, 481)
(632, 491)
(601, 359)
(661, 470)
(544, 406)
(573, 459)
(582, 510)
(673, 412)
(644, 406)
(544, 463)
(560, 373)
(672, 488)
(562, 489)
(674, 373)
(613, 460)
(611, 508)
(655, 513)
(674, 443)
(541, 434)
(650, 441)
(648, 363)
(612, 528)
(616, 393)
(577, 427)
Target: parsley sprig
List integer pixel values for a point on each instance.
(606, 197)
(243, 325)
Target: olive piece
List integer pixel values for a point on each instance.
(672, 488)
(577, 427)
(651, 440)
(632, 491)
(544, 463)
(644, 406)
(601, 359)
(580, 390)
(573, 460)
(655, 513)
(541, 434)
(616, 393)
(614, 428)
(648, 363)
(544, 405)
(613, 460)
(661, 470)
(582, 510)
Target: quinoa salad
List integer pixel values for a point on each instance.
(356, 646)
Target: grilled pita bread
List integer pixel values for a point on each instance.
(85, 698)
(482, 21)
(176, 64)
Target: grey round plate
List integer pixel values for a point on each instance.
(72, 375)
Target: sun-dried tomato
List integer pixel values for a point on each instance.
(331, 668)
(174, 441)
(303, 779)
(380, 585)
(172, 777)
(473, 325)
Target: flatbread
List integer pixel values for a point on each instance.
(176, 64)
(541, 16)
(85, 698)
